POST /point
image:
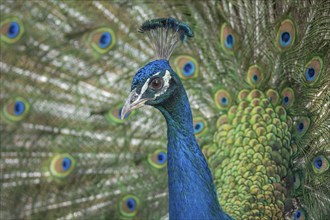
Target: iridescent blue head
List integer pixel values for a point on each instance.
(154, 83)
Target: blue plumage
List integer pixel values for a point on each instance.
(147, 71)
(191, 189)
(192, 193)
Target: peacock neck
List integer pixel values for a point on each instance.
(191, 190)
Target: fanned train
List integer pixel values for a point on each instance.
(257, 77)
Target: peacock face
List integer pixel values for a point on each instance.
(152, 85)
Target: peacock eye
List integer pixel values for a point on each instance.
(156, 83)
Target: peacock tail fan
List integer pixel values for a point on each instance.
(257, 76)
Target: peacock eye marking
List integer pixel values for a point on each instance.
(105, 40)
(161, 157)
(300, 126)
(310, 73)
(156, 84)
(286, 99)
(224, 101)
(13, 30)
(19, 108)
(285, 36)
(66, 164)
(318, 163)
(230, 41)
(130, 204)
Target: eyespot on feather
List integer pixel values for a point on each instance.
(286, 34)
(62, 165)
(186, 67)
(222, 99)
(320, 164)
(11, 30)
(273, 97)
(15, 110)
(228, 39)
(301, 126)
(297, 181)
(288, 97)
(102, 40)
(158, 158)
(200, 126)
(129, 205)
(313, 70)
(299, 214)
(255, 76)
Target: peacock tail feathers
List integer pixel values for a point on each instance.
(257, 75)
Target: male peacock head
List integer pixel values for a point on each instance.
(152, 85)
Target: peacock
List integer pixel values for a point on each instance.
(243, 88)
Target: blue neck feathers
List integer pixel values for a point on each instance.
(191, 190)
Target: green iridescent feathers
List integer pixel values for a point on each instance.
(284, 65)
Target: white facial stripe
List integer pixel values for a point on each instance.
(167, 77)
(144, 87)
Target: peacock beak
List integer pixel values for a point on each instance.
(134, 101)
